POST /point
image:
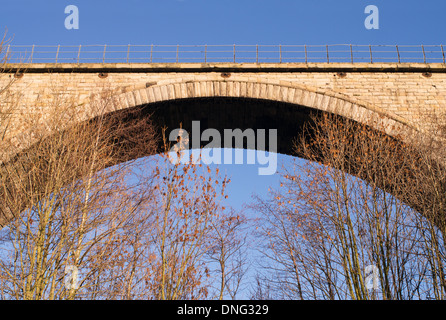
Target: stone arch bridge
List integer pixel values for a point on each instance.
(397, 96)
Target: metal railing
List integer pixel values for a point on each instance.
(347, 53)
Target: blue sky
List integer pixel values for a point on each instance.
(225, 22)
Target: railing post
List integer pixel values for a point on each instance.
(398, 52)
(442, 52)
(234, 53)
(151, 53)
(306, 55)
(57, 53)
(32, 54)
(205, 53)
(128, 52)
(9, 47)
(103, 55)
(371, 57)
(424, 54)
(328, 57)
(257, 53)
(351, 53)
(79, 54)
(280, 53)
(178, 49)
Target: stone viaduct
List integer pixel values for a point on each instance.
(239, 95)
(401, 93)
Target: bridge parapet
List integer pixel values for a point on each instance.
(407, 92)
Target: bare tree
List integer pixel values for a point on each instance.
(192, 229)
(7, 102)
(229, 252)
(68, 201)
(83, 219)
(90, 223)
(356, 206)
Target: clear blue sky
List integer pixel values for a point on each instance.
(225, 22)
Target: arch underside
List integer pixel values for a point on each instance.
(273, 91)
(229, 105)
(258, 104)
(231, 113)
(291, 122)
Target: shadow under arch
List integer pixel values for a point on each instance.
(252, 105)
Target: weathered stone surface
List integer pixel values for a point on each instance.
(398, 92)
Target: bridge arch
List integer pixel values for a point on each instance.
(277, 91)
(241, 90)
